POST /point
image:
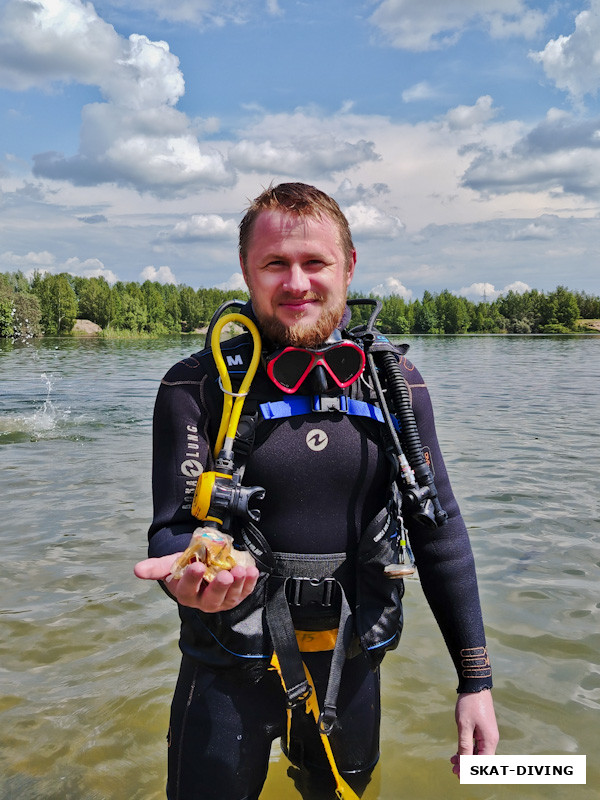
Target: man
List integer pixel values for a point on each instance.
(326, 476)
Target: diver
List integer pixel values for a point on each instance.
(333, 469)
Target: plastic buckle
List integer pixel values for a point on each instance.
(298, 695)
(307, 591)
(323, 403)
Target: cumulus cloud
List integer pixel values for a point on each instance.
(234, 283)
(518, 287)
(560, 155)
(367, 221)
(89, 268)
(347, 193)
(573, 62)
(478, 291)
(416, 25)
(464, 117)
(43, 261)
(308, 155)
(488, 292)
(137, 137)
(201, 227)
(391, 286)
(306, 143)
(158, 274)
(420, 91)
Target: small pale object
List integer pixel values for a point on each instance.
(213, 548)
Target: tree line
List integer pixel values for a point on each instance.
(49, 305)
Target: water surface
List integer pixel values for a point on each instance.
(88, 655)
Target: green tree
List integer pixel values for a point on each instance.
(393, 316)
(58, 302)
(425, 315)
(94, 300)
(156, 313)
(191, 309)
(133, 316)
(567, 310)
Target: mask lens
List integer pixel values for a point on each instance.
(289, 367)
(346, 362)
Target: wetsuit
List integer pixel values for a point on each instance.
(326, 476)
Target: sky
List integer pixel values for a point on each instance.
(460, 137)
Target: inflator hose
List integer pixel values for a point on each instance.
(410, 433)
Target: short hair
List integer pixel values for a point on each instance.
(295, 198)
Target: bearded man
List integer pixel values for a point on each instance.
(329, 519)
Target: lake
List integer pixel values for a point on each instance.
(88, 654)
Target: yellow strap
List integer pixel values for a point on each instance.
(343, 790)
(316, 641)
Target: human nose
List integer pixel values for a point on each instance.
(296, 279)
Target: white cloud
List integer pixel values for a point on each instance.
(420, 91)
(391, 286)
(464, 117)
(202, 227)
(347, 193)
(234, 283)
(43, 260)
(573, 62)
(560, 155)
(417, 25)
(478, 291)
(488, 292)
(305, 154)
(54, 40)
(518, 287)
(90, 268)
(137, 138)
(367, 221)
(158, 274)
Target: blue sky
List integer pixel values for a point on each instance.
(461, 137)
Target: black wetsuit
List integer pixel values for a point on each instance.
(325, 476)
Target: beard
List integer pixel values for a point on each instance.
(301, 333)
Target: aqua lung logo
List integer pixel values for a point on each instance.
(192, 467)
(317, 439)
(235, 361)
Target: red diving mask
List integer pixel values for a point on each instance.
(342, 361)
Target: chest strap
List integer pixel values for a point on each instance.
(297, 405)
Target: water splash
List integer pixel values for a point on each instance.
(44, 422)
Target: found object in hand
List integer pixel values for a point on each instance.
(213, 548)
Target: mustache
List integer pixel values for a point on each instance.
(285, 296)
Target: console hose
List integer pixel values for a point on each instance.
(411, 439)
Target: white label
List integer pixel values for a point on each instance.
(522, 769)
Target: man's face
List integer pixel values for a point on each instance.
(297, 276)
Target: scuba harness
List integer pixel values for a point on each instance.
(298, 582)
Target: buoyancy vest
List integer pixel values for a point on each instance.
(316, 592)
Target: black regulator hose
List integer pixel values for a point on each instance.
(426, 497)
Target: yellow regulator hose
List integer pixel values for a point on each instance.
(233, 410)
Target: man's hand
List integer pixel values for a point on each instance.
(226, 591)
(477, 728)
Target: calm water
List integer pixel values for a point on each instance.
(88, 655)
